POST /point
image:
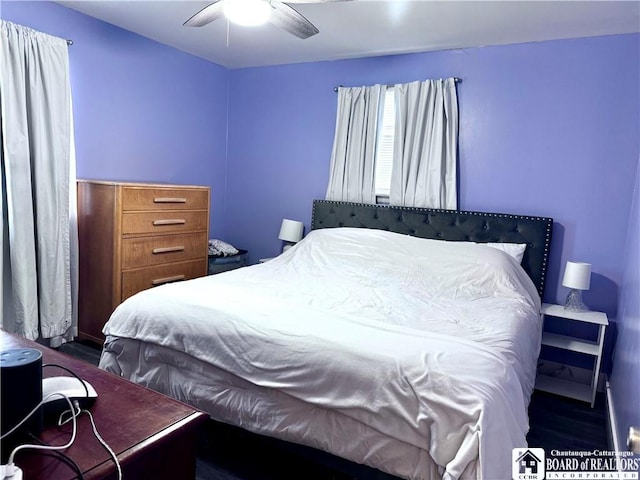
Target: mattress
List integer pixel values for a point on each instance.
(413, 356)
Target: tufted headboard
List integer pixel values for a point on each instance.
(446, 225)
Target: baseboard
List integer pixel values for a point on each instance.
(612, 427)
(612, 424)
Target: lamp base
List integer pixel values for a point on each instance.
(574, 301)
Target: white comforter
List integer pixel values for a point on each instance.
(429, 342)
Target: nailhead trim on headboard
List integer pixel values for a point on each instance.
(447, 225)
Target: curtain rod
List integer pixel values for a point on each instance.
(455, 79)
(69, 42)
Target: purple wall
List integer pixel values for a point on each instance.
(143, 111)
(546, 129)
(625, 378)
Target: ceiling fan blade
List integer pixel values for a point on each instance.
(208, 14)
(287, 18)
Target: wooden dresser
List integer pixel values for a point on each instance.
(134, 236)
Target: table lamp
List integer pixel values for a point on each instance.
(577, 277)
(290, 232)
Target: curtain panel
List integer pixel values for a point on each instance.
(39, 281)
(351, 176)
(424, 172)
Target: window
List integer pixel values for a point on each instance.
(362, 164)
(384, 148)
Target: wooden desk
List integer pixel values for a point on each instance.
(153, 436)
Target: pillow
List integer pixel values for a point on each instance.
(516, 250)
(219, 248)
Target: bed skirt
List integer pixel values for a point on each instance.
(232, 400)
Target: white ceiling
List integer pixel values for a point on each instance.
(363, 28)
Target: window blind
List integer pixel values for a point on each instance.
(384, 148)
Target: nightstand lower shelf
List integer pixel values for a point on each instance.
(566, 388)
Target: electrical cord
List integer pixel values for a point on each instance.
(95, 433)
(35, 409)
(74, 413)
(44, 447)
(67, 459)
(555, 372)
(61, 456)
(104, 444)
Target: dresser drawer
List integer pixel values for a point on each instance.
(149, 198)
(147, 251)
(136, 223)
(134, 281)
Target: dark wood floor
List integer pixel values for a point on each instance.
(229, 453)
(564, 424)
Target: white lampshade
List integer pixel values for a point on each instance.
(291, 231)
(577, 275)
(247, 12)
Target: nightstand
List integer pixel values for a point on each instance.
(567, 388)
(224, 264)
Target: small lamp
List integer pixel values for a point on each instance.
(577, 277)
(290, 232)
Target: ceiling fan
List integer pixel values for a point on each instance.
(257, 12)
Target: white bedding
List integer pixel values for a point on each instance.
(426, 343)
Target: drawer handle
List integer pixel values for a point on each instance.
(168, 249)
(169, 200)
(172, 221)
(160, 281)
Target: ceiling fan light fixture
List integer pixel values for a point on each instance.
(247, 12)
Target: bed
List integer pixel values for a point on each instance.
(404, 339)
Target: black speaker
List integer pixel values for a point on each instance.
(20, 393)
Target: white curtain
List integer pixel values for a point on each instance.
(425, 145)
(39, 281)
(351, 176)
